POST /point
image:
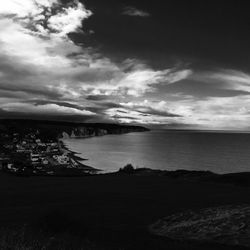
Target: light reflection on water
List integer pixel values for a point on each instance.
(169, 150)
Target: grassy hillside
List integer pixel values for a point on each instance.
(106, 211)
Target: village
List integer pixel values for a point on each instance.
(30, 155)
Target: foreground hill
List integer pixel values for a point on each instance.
(58, 129)
(106, 212)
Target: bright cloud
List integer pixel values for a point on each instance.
(137, 81)
(39, 60)
(225, 79)
(44, 109)
(145, 112)
(69, 20)
(37, 14)
(214, 112)
(158, 108)
(132, 11)
(207, 113)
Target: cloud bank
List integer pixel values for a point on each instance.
(45, 73)
(39, 61)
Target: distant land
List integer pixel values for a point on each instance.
(59, 129)
(35, 147)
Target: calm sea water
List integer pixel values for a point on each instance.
(169, 150)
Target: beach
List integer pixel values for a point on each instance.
(74, 156)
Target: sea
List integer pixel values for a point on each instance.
(216, 151)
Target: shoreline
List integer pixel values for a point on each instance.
(239, 178)
(235, 178)
(77, 159)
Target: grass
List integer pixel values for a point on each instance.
(110, 212)
(26, 239)
(54, 230)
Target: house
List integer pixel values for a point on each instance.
(35, 158)
(45, 161)
(38, 141)
(61, 159)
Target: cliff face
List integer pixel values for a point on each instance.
(86, 132)
(54, 129)
(82, 133)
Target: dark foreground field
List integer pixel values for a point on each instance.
(104, 212)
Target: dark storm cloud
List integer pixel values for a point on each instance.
(29, 90)
(122, 111)
(117, 117)
(97, 97)
(13, 94)
(101, 108)
(109, 105)
(63, 117)
(201, 89)
(151, 111)
(17, 76)
(63, 104)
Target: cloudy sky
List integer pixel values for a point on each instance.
(177, 64)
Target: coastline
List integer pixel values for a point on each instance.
(69, 151)
(237, 178)
(77, 159)
(154, 150)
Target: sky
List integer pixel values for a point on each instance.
(168, 64)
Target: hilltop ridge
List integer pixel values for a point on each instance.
(61, 129)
